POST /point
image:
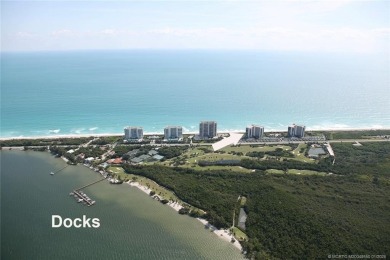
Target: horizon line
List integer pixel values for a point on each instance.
(190, 49)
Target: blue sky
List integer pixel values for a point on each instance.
(320, 26)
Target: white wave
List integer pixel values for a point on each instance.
(93, 128)
(55, 131)
(329, 126)
(77, 131)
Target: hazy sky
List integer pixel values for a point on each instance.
(333, 25)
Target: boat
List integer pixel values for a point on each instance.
(115, 181)
(70, 194)
(51, 173)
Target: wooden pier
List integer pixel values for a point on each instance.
(85, 186)
(82, 197)
(52, 173)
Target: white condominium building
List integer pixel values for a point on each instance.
(207, 129)
(134, 132)
(254, 131)
(296, 131)
(173, 132)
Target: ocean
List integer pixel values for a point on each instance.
(132, 225)
(96, 92)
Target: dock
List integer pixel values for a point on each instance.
(52, 173)
(80, 196)
(85, 186)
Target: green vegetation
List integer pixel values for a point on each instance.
(121, 150)
(323, 165)
(90, 151)
(74, 157)
(119, 173)
(297, 216)
(107, 140)
(300, 153)
(295, 171)
(242, 201)
(356, 134)
(239, 235)
(255, 154)
(45, 142)
(256, 148)
(62, 151)
(298, 208)
(370, 158)
(172, 151)
(289, 215)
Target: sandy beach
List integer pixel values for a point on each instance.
(221, 233)
(56, 136)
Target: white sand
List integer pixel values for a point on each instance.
(176, 206)
(316, 128)
(139, 186)
(58, 136)
(221, 233)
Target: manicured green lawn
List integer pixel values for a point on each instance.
(217, 167)
(295, 171)
(305, 172)
(167, 194)
(247, 148)
(274, 171)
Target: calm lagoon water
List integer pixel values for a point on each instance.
(133, 226)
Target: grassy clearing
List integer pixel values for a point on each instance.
(274, 171)
(247, 148)
(295, 171)
(297, 150)
(243, 201)
(305, 172)
(302, 159)
(238, 234)
(214, 157)
(300, 156)
(217, 167)
(166, 194)
(192, 156)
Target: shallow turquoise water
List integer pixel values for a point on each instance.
(103, 91)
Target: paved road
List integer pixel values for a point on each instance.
(330, 141)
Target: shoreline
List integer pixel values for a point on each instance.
(221, 233)
(57, 136)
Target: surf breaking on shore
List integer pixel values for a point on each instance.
(56, 136)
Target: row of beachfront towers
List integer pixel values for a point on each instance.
(257, 131)
(207, 130)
